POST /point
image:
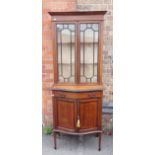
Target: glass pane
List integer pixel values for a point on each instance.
(88, 52)
(66, 52)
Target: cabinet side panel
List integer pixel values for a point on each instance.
(54, 112)
(100, 114)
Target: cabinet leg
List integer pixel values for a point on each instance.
(55, 144)
(99, 144)
(97, 135)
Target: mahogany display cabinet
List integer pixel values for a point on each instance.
(78, 87)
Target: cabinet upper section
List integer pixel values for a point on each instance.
(77, 47)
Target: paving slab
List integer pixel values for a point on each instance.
(77, 145)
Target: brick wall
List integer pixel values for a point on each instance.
(73, 5)
(47, 55)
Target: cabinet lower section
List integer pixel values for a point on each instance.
(77, 113)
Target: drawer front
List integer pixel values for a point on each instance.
(81, 95)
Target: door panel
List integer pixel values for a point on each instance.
(66, 112)
(88, 114)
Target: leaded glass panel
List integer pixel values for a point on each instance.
(66, 52)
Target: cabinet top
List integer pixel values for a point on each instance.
(75, 88)
(74, 13)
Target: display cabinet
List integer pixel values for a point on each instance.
(78, 87)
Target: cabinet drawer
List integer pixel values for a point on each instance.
(79, 95)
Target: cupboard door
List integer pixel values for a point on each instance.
(88, 114)
(66, 114)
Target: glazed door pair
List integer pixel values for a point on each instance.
(77, 115)
(77, 52)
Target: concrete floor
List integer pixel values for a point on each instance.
(77, 145)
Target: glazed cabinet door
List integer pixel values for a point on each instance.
(89, 114)
(65, 114)
(66, 46)
(89, 47)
